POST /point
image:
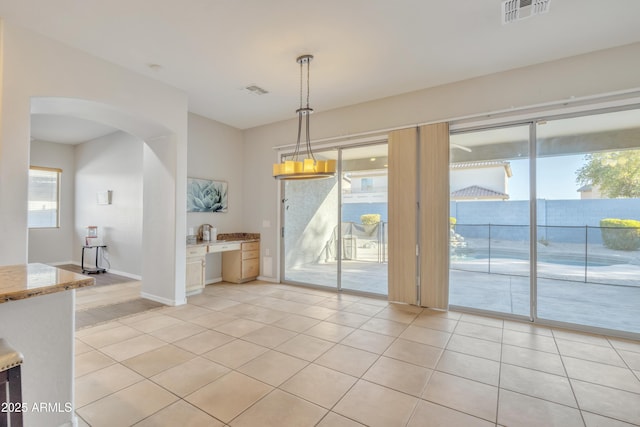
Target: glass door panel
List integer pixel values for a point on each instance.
(364, 219)
(588, 185)
(310, 239)
(489, 216)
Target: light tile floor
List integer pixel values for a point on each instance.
(264, 354)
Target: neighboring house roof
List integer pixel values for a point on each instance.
(485, 164)
(477, 192)
(587, 187)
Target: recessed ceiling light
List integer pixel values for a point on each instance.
(373, 159)
(154, 67)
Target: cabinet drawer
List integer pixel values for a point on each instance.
(251, 246)
(250, 254)
(196, 251)
(223, 247)
(250, 268)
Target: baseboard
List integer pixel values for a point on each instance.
(74, 419)
(161, 300)
(63, 263)
(212, 281)
(109, 270)
(268, 279)
(125, 274)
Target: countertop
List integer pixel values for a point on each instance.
(31, 280)
(229, 238)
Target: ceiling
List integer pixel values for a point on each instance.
(66, 129)
(364, 49)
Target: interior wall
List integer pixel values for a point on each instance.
(570, 79)
(37, 67)
(34, 66)
(216, 151)
(112, 162)
(55, 245)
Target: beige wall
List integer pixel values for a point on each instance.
(55, 245)
(216, 151)
(569, 79)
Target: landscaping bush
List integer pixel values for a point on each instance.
(370, 219)
(620, 234)
(452, 222)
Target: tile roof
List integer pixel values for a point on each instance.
(484, 164)
(477, 192)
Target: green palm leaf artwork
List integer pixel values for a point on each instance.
(205, 195)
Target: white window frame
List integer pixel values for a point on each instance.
(58, 173)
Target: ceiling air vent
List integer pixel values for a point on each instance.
(256, 90)
(516, 10)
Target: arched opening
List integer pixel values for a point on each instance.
(142, 232)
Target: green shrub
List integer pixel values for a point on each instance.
(452, 222)
(620, 234)
(370, 219)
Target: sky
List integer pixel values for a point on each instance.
(556, 178)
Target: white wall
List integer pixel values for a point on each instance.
(55, 245)
(33, 66)
(573, 78)
(216, 152)
(112, 162)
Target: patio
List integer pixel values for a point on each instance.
(608, 299)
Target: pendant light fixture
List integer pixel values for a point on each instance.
(309, 167)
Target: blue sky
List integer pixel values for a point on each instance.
(556, 178)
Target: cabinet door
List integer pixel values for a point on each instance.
(250, 268)
(195, 273)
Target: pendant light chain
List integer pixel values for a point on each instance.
(308, 113)
(308, 168)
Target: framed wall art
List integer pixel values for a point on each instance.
(206, 195)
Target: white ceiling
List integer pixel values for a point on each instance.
(364, 49)
(66, 129)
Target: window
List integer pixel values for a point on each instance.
(366, 184)
(44, 197)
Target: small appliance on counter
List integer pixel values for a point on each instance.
(207, 233)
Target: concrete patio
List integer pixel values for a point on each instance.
(613, 305)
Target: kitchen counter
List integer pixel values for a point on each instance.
(26, 281)
(37, 318)
(228, 238)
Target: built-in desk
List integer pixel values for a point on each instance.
(240, 259)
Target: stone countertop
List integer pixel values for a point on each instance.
(229, 238)
(31, 280)
(247, 237)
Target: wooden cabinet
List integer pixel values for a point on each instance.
(243, 265)
(195, 268)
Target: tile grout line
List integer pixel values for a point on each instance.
(573, 392)
(379, 354)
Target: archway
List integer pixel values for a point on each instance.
(161, 258)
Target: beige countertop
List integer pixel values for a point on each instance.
(30, 280)
(228, 238)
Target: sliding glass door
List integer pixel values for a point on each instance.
(334, 230)
(310, 227)
(489, 219)
(583, 268)
(588, 184)
(363, 265)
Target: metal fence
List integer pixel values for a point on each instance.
(501, 249)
